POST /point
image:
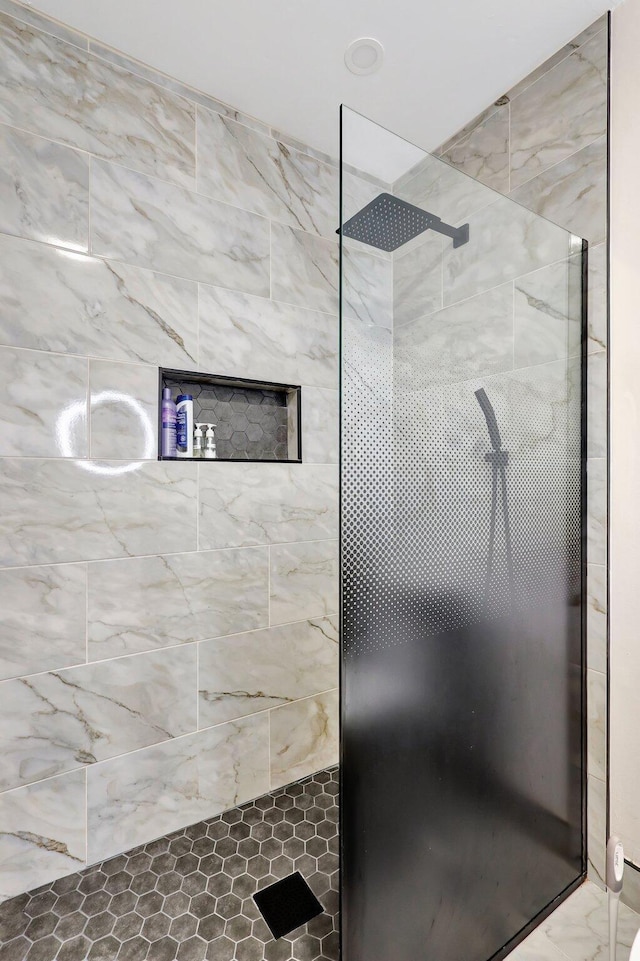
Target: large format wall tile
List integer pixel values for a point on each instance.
(124, 411)
(43, 833)
(110, 310)
(596, 828)
(547, 314)
(367, 287)
(519, 242)
(44, 190)
(597, 617)
(304, 581)
(42, 618)
(54, 89)
(143, 603)
(561, 113)
(596, 724)
(483, 152)
(304, 269)
(53, 723)
(153, 224)
(266, 340)
(444, 191)
(243, 504)
(320, 426)
(597, 510)
(35, 390)
(597, 413)
(162, 788)
(597, 298)
(250, 672)
(417, 280)
(245, 168)
(461, 341)
(573, 193)
(304, 738)
(56, 510)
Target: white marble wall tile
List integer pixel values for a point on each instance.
(267, 340)
(505, 242)
(466, 339)
(56, 722)
(304, 581)
(320, 426)
(304, 269)
(547, 315)
(59, 510)
(42, 618)
(160, 789)
(56, 90)
(417, 280)
(483, 153)
(44, 190)
(597, 298)
(596, 724)
(139, 604)
(124, 411)
(244, 504)
(304, 738)
(573, 193)
(251, 672)
(597, 617)
(597, 510)
(596, 828)
(561, 113)
(109, 310)
(43, 834)
(597, 413)
(243, 167)
(367, 287)
(154, 224)
(444, 191)
(631, 888)
(35, 390)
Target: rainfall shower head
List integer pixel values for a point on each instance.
(388, 222)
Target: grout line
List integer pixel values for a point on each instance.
(546, 170)
(168, 647)
(205, 550)
(159, 744)
(86, 815)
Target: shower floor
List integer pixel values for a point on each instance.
(188, 896)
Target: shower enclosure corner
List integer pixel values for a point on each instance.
(462, 547)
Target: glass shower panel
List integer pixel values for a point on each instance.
(462, 558)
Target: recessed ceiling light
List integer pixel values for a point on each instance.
(364, 55)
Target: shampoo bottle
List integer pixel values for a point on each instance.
(184, 407)
(168, 424)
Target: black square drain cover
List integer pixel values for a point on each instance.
(287, 904)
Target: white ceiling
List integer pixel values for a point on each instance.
(283, 60)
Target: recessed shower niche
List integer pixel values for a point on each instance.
(254, 420)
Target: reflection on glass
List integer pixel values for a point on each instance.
(75, 415)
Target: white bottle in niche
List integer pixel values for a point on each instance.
(198, 449)
(210, 451)
(184, 440)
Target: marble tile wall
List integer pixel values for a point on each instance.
(168, 639)
(544, 145)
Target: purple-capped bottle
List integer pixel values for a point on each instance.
(169, 424)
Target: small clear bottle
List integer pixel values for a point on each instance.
(198, 448)
(210, 451)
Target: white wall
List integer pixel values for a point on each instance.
(625, 434)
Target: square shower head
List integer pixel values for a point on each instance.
(388, 222)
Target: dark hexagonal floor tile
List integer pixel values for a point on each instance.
(189, 896)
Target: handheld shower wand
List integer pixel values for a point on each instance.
(615, 870)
